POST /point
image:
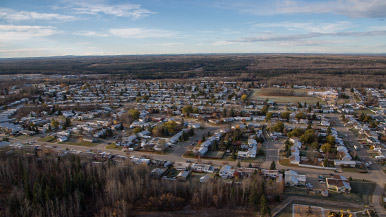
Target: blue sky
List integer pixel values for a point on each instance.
(110, 27)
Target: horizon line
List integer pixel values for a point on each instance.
(196, 54)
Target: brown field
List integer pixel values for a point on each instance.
(309, 211)
(297, 96)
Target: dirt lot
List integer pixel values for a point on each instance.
(309, 211)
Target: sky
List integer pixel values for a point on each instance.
(42, 28)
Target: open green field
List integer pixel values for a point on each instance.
(78, 142)
(365, 111)
(259, 158)
(215, 154)
(286, 162)
(299, 96)
(113, 146)
(47, 139)
(81, 143)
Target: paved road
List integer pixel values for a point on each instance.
(272, 148)
(376, 174)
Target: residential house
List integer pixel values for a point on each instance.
(339, 184)
(62, 139)
(206, 168)
(183, 175)
(292, 178)
(226, 172)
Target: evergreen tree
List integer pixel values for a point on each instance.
(273, 165)
(264, 208)
(253, 198)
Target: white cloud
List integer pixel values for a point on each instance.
(135, 33)
(13, 15)
(16, 32)
(172, 44)
(377, 28)
(141, 33)
(350, 8)
(100, 7)
(24, 50)
(91, 34)
(266, 37)
(308, 26)
(220, 43)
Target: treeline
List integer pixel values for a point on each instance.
(322, 70)
(71, 186)
(197, 64)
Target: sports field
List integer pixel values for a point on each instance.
(293, 96)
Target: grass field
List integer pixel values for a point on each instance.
(47, 139)
(78, 142)
(300, 96)
(23, 137)
(365, 111)
(215, 154)
(113, 146)
(258, 158)
(286, 162)
(363, 189)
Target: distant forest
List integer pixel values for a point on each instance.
(287, 69)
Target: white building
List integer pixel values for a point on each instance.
(292, 178)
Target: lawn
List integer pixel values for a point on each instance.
(167, 151)
(254, 160)
(113, 146)
(362, 189)
(259, 94)
(80, 143)
(23, 137)
(189, 154)
(47, 139)
(215, 154)
(286, 162)
(365, 111)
